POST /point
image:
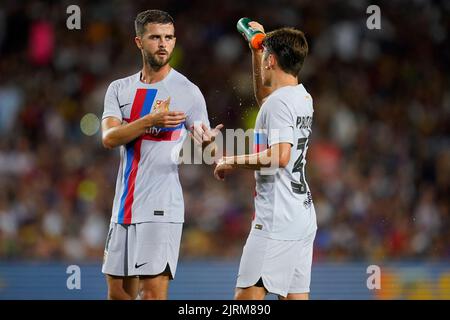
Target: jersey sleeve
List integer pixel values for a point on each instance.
(279, 123)
(111, 104)
(197, 112)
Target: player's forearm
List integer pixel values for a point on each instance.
(254, 161)
(123, 134)
(259, 89)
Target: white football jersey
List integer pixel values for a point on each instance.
(148, 186)
(283, 204)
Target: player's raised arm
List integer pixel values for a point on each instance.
(260, 91)
(114, 133)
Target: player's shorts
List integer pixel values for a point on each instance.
(284, 266)
(142, 249)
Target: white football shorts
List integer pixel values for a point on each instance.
(142, 249)
(284, 266)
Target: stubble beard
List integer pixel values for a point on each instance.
(155, 62)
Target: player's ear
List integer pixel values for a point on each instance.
(138, 42)
(271, 61)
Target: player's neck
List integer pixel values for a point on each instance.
(282, 79)
(150, 75)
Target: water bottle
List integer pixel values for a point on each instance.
(255, 37)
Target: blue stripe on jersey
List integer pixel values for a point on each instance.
(260, 138)
(175, 128)
(148, 102)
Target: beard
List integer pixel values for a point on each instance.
(156, 62)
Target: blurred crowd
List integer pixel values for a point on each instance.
(378, 163)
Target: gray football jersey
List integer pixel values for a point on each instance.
(148, 186)
(283, 204)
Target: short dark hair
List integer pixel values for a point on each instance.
(151, 16)
(290, 47)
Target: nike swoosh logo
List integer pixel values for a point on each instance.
(124, 105)
(136, 266)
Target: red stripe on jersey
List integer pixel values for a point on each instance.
(138, 103)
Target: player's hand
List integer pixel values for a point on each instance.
(203, 136)
(221, 168)
(166, 119)
(257, 26)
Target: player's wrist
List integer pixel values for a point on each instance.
(149, 121)
(256, 51)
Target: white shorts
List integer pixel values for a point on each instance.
(284, 266)
(142, 249)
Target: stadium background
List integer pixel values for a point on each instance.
(378, 164)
